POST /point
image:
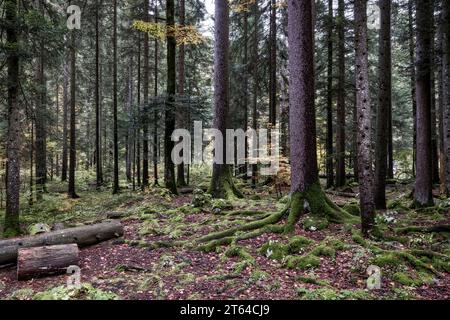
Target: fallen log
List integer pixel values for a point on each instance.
(45, 261)
(82, 236)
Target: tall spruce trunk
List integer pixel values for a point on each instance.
(41, 114)
(181, 113)
(116, 188)
(384, 105)
(329, 142)
(72, 150)
(145, 108)
(222, 185)
(423, 187)
(169, 167)
(305, 187)
(412, 58)
(12, 227)
(98, 157)
(341, 112)
(446, 92)
(364, 113)
(155, 112)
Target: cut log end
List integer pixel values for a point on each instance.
(45, 261)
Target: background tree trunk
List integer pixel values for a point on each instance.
(181, 114)
(384, 105)
(364, 113)
(12, 226)
(169, 167)
(423, 187)
(329, 143)
(98, 157)
(145, 107)
(73, 151)
(115, 134)
(222, 185)
(341, 112)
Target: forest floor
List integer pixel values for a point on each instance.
(265, 267)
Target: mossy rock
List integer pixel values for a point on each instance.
(38, 228)
(304, 262)
(22, 294)
(314, 223)
(273, 250)
(201, 199)
(298, 243)
(84, 292)
(149, 227)
(353, 209)
(220, 205)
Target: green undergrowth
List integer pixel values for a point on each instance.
(83, 292)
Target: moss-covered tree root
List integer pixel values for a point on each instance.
(314, 198)
(318, 203)
(419, 229)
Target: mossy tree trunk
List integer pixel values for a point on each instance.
(305, 186)
(222, 185)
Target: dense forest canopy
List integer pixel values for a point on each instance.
(279, 116)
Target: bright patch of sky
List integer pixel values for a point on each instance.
(207, 28)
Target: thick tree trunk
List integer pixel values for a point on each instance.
(341, 112)
(181, 113)
(384, 105)
(442, 154)
(222, 185)
(364, 113)
(423, 187)
(116, 188)
(329, 144)
(45, 261)
(305, 186)
(82, 236)
(12, 226)
(446, 92)
(169, 167)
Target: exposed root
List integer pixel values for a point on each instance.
(318, 203)
(418, 229)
